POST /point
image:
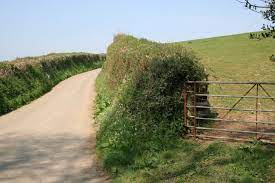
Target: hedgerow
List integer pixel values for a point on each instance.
(24, 80)
(139, 105)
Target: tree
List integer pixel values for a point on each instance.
(267, 9)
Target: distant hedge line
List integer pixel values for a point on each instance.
(139, 103)
(24, 80)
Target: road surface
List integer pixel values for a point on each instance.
(52, 139)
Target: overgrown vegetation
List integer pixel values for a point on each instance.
(140, 115)
(144, 111)
(24, 80)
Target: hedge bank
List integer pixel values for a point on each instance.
(139, 104)
(25, 79)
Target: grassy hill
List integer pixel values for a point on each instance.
(236, 57)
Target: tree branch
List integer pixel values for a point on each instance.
(255, 6)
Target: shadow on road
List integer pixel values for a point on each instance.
(63, 158)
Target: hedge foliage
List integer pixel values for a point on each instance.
(26, 79)
(139, 104)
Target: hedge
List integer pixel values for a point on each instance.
(139, 104)
(25, 79)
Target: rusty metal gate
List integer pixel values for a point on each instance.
(205, 119)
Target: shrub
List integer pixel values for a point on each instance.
(26, 79)
(145, 108)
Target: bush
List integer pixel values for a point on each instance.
(145, 110)
(26, 79)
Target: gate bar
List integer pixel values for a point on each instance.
(233, 139)
(224, 120)
(266, 92)
(234, 96)
(232, 109)
(237, 131)
(238, 101)
(217, 82)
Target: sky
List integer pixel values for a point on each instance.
(38, 27)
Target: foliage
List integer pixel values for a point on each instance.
(267, 9)
(24, 80)
(139, 104)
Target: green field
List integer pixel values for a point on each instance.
(236, 58)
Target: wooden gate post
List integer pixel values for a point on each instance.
(185, 98)
(195, 111)
(257, 108)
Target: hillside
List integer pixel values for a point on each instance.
(236, 57)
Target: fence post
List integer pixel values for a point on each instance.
(257, 108)
(185, 105)
(195, 111)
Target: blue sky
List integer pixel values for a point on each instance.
(35, 27)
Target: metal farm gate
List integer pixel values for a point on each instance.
(207, 119)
